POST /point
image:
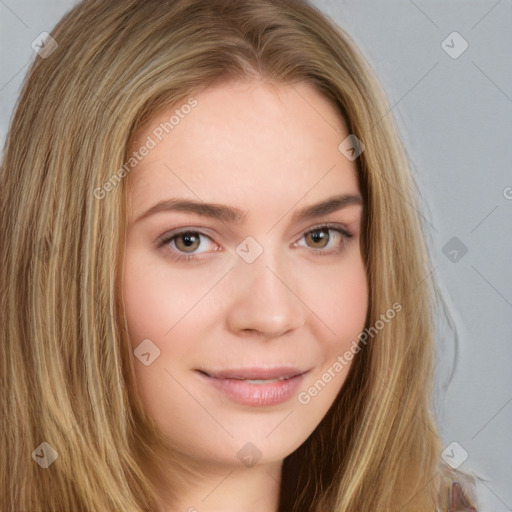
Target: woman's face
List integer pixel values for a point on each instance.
(267, 292)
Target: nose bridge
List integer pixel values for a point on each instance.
(265, 290)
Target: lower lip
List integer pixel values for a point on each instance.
(246, 393)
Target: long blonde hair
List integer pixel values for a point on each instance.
(66, 370)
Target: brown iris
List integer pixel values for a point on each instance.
(189, 239)
(319, 235)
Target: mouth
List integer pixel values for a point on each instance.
(255, 386)
(256, 373)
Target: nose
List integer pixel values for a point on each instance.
(264, 298)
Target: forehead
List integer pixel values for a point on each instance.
(244, 144)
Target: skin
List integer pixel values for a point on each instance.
(269, 151)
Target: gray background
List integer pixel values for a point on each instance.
(455, 115)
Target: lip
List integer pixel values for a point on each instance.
(232, 384)
(255, 372)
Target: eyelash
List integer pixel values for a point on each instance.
(319, 252)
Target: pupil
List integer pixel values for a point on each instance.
(319, 235)
(188, 239)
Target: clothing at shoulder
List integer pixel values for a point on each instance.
(458, 490)
(458, 500)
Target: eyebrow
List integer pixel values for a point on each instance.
(230, 214)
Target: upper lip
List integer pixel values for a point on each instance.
(257, 373)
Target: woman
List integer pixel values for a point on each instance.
(261, 372)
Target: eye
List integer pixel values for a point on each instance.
(184, 244)
(321, 236)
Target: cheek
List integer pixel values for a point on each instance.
(144, 303)
(349, 296)
(154, 298)
(342, 305)
(154, 301)
(340, 299)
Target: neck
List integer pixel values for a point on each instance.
(229, 489)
